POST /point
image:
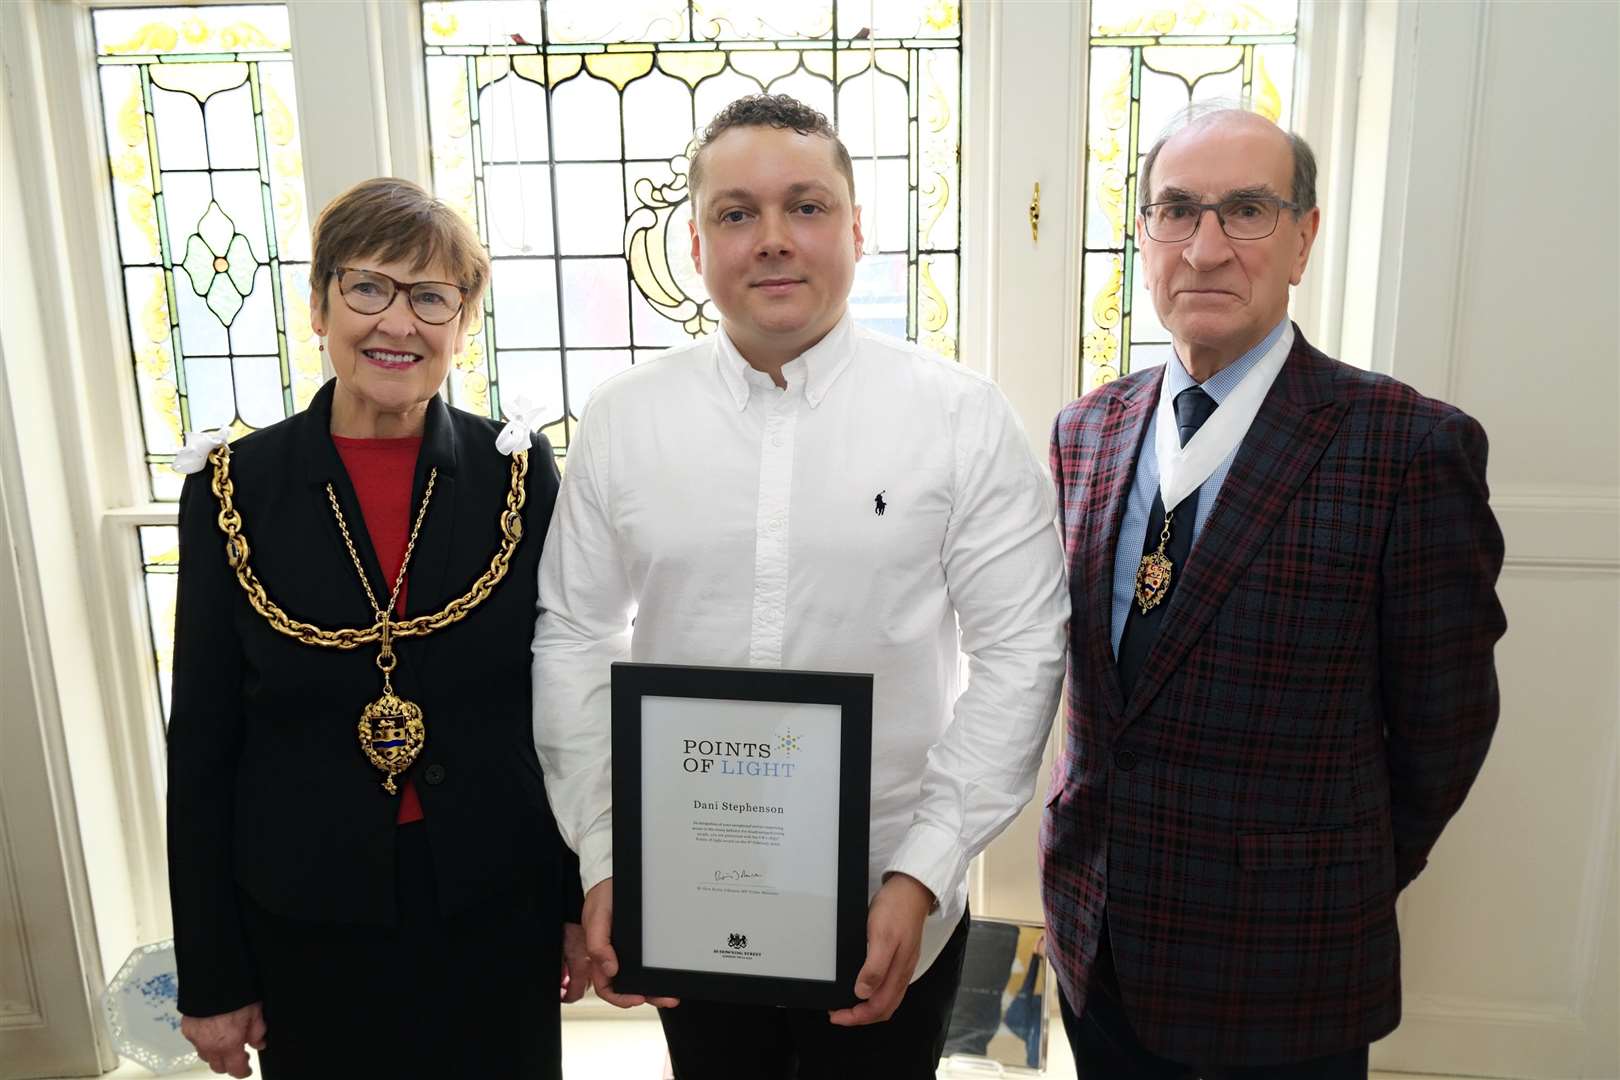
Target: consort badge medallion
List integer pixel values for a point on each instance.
(392, 734)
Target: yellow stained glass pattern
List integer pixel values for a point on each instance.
(1149, 59)
(1192, 18)
(563, 130)
(200, 123)
(180, 31)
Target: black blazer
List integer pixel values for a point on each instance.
(269, 793)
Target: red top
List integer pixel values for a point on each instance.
(382, 471)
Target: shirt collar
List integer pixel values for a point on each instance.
(814, 370)
(1221, 384)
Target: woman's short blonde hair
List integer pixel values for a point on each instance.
(394, 220)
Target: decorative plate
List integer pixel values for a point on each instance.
(142, 1004)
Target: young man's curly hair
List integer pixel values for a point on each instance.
(776, 111)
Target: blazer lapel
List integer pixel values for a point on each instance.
(1113, 473)
(1293, 427)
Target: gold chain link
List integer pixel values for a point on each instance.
(238, 552)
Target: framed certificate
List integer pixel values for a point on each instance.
(741, 802)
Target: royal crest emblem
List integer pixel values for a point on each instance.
(391, 734)
(737, 941)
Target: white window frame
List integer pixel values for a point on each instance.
(367, 56)
(117, 756)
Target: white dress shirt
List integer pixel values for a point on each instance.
(709, 517)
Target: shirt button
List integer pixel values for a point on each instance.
(434, 774)
(776, 524)
(1124, 760)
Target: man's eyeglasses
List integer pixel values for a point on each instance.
(1250, 217)
(369, 293)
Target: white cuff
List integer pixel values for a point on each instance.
(596, 853)
(932, 856)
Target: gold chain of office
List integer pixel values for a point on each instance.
(237, 552)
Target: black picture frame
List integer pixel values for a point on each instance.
(852, 693)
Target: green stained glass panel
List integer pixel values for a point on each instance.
(1148, 61)
(874, 115)
(595, 294)
(885, 198)
(525, 291)
(594, 224)
(657, 117)
(254, 330)
(585, 119)
(518, 202)
(560, 129)
(207, 188)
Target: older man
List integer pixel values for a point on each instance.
(1281, 682)
(799, 492)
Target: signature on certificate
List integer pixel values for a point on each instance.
(736, 875)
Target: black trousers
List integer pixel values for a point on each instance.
(472, 995)
(713, 1041)
(1106, 1048)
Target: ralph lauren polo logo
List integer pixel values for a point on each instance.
(878, 505)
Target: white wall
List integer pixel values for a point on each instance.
(1497, 292)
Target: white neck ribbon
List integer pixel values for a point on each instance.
(1183, 469)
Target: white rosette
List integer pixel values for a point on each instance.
(522, 417)
(199, 444)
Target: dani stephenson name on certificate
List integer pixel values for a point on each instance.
(739, 818)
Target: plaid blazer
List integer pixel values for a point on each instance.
(1314, 710)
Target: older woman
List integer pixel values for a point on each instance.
(365, 876)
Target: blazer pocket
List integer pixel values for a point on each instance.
(1315, 847)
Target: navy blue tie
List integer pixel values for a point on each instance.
(1193, 407)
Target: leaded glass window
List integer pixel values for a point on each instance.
(160, 570)
(1149, 59)
(213, 234)
(562, 129)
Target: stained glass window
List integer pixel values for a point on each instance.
(160, 565)
(213, 234)
(1150, 58)
(562, 129)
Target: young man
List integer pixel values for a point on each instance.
(799, 492)
(1281, 689)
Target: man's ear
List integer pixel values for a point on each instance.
(697, 243)
(1308, 225)
(860, 239)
